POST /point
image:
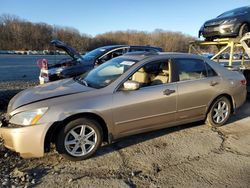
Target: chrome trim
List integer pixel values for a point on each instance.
(142, 118)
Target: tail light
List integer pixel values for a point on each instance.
(243, 82)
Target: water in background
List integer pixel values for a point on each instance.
(23, 67)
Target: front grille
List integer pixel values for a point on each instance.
(209, 29)
(211, 33)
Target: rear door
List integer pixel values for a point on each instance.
(197, 84)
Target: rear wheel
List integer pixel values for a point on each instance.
(219, 112)
(244, 29)
(79, 139)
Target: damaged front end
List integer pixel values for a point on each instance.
(53, 72)
(64, 68)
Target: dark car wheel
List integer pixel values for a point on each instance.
(79, 139)
(219, 112)
(243, 30)
(210, 38)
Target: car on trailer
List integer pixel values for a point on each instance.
(232, 23)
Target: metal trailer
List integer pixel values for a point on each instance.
(224, 44)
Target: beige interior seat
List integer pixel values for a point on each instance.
(141, 76)
(163, 76)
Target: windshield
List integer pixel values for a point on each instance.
(234, 12)
(106, 73)
(95, 53)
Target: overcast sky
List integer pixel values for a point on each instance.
(99, 16)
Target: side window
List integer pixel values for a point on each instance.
(210, 71)
(117, 53)
(112, 55)
(154, 73)
(191, 69)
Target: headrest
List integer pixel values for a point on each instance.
(165, 68)
(142, 70)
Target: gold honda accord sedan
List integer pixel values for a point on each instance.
(127, 95)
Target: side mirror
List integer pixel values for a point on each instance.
(130, 85)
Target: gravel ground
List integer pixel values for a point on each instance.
(191, 155)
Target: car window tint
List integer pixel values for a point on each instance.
(112, 54)
(191, 69)
(210, 72)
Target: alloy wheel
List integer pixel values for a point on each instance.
(80, 140)
(220, 112)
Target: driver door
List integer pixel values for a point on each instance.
(149, 107)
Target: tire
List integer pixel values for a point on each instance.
(209, 39)
(244, 29)
(79, 139)
(215, 118)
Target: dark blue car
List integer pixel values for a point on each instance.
(78, 64)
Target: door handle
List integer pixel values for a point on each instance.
(168, 91)
(213, 83)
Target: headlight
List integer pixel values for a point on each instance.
(229, 21)
(28, 117)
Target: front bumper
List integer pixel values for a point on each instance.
(229, 30)
(49, 75)
(27, 141)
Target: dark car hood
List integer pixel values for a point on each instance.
(217, 21)
(68, 49)
(43, 92)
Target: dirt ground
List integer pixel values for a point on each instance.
(191, 155)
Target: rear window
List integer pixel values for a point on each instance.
(210, 72)
(191, 69)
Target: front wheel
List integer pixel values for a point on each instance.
(219, 112)
(79, 139)
(243, 30)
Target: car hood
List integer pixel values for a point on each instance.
(46, 91)
(217, 21)
(68, 49)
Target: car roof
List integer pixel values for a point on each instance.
(155, 55)
(147, 47)
(110, 47)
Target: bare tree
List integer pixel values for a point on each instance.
(18, 34)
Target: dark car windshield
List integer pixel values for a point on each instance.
(235, 12)
(95, 53)
(106, 73)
